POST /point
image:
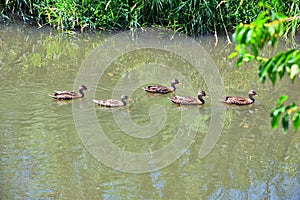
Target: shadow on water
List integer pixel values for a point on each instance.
(42, 155)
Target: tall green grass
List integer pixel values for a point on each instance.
(189, 16)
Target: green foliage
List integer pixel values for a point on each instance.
(189, 16)
(288, 61)
(21, 8)
(251, 38)
(286, 112)
(256, 35)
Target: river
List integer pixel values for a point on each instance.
(150, 148)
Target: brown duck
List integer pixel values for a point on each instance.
(67, 95)
(241, 100)
(162, 89)
(189, 100)
(112, 102)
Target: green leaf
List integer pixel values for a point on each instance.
(270, 70)
(275, 121)
(248, 58)
(258, 38)
(242, 37)
(232, 55)
(273, 40)
(271, 30)
(239, 61)
(281, 100)
(234, 37)
(262, 72)
(261, 4)
(294, 56)
(268, 65)
(279, 61)
(296, 120)
(254, 50)
(277, 111)
(238, 48)
(236, 32)
(281, 70)
(291, 108)
(294, 71)
(291, 57)
(272, 77)
(285, 122)
(249, 38)
(275, 116)
(264, 69)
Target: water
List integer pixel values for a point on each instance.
(44, 157)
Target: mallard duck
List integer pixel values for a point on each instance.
(241, 100)
(112, 102)
(67, 95)
(162, 89)
(189, 100)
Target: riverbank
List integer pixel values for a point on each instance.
(193, 17)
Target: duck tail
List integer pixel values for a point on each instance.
(96, 101)
(52, 95)
(146, 89)
(172, 99)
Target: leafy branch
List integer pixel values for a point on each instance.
(285, 111)
(251, 39)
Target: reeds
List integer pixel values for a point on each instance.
(189, 16)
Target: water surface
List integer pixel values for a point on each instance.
(43, 157)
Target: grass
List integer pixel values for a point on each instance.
(190, 16)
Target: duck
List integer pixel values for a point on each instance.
(189, 100)
(67, 95)
(237, 100)
(112, 102)
(162, 89)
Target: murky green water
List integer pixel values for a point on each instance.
(44, 157)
